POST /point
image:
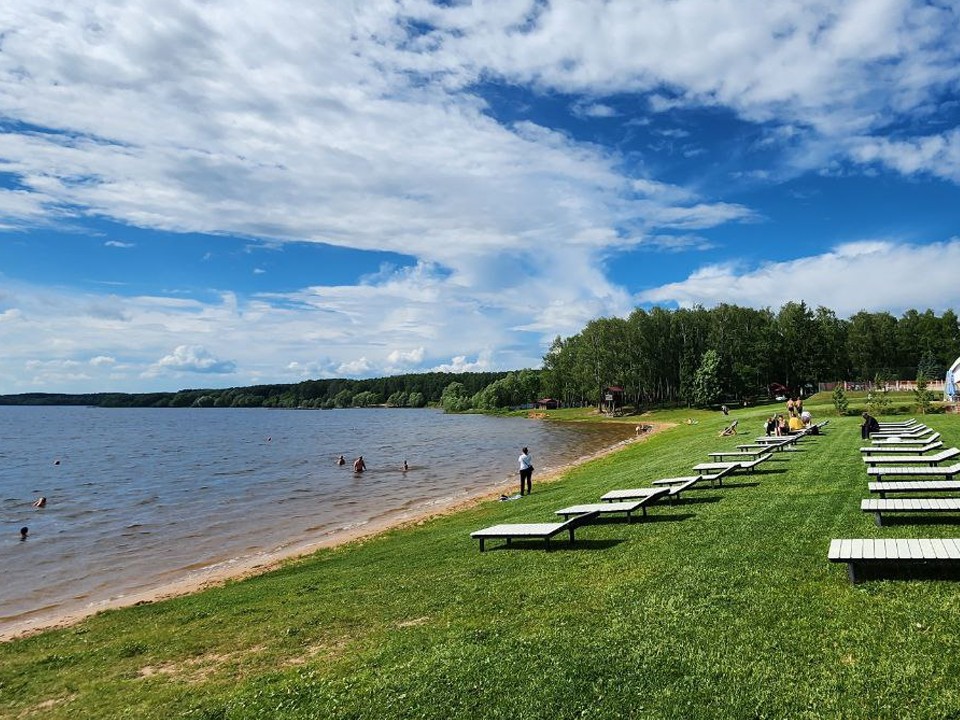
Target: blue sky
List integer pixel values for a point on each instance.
(227, 193)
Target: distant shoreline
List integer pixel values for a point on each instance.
(258, 564)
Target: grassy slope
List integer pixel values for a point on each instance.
(722, 606)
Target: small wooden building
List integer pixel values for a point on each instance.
(547, 404)
(613, 400)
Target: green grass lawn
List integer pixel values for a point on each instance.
(723, 606)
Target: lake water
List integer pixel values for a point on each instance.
(140, 498)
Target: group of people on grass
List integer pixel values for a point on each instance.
(794, 420)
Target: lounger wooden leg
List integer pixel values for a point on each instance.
(571, 536)
(481, 544)
(852, 573)
(878, 518)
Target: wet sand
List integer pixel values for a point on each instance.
(265, 562)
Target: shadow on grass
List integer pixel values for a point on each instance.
(920, 520)
(665, 518)
(926, 571)
(734, 486)
(539, 546)
(695, 501)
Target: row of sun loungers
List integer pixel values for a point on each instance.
(929, 460)
(866, 556)
(632, 501)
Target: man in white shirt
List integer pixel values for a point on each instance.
(526, 471)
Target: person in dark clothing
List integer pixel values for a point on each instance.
(869, 425)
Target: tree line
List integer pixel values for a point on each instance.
(409, 390)
(691, 356)
(699, 356)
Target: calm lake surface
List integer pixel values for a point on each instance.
(140, 498)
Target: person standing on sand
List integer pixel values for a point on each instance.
(526, 471)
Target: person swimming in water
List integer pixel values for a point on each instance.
(40, 502)
(359, 465)
(23, 532)
(405, 466)
(341, 460)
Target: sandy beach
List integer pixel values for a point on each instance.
(265, 562)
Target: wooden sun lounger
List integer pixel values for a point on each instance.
(899, 423)
(894, 435)
(644, 496)
(741, 465)
(714, 479)
(918, 450)
(777, 442)
(914, 471)
(533, 531)
(913, 486)
(720, 455)
(886, 442)
(916, 427)
(625, 506)
(908, 432)
(860, 554)
(677, 485)
(878, 506)
(930, 460)
(769, 446)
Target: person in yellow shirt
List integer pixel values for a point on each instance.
(795, 423)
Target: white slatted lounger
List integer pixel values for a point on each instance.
(628, 507)
(913, 486)
(534, 531)
(946, 473)
(910, 430)
(917, 450)
(900, 440)
(645, 496)
(913, 432)
(860, 554)
(749, 454)
(878, 506)
(714, 479)
(930, 460)
(741, 465)
(677, 485)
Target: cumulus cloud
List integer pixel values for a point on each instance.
(866, 275)
(406, 357)
(195, 359)
(363, 125)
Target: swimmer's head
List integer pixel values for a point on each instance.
(23, 532)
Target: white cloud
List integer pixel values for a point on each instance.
(332, 123)
(867, 275)
(119, 244)
(103, 360)
(460, 364)
(937, 155)
(194, 359)
(406, 357)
